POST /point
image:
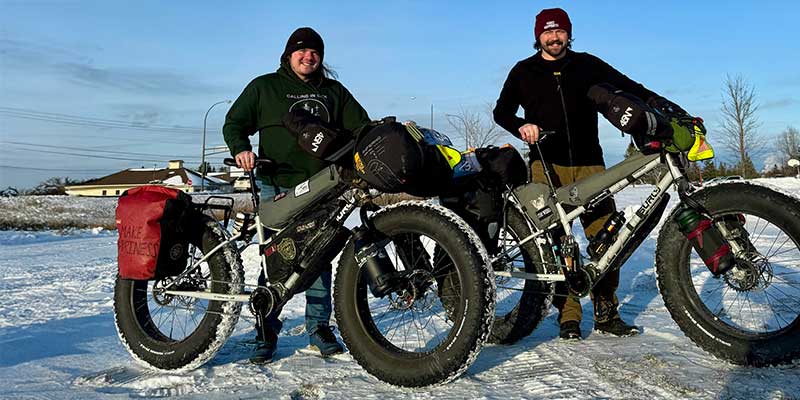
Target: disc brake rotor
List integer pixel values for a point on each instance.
(752, 272)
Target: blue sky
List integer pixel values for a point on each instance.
(160, 65)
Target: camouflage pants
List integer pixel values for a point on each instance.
(603, 295)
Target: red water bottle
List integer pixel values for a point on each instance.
(706, 239)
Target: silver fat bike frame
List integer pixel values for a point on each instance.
(344, 210)
(600, 267)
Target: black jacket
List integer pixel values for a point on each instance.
(534, 84)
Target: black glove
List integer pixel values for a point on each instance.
(628, 113)
(314, 135)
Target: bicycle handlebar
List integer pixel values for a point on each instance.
(545, 134)
(231, 162)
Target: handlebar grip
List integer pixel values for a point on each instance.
(545, 134)
(259, 162)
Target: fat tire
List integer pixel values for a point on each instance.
(148, 345)
(444, 363)
(534, 302)
(694, 319)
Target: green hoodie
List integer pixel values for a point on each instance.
(267, 99)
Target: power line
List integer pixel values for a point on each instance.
(53, 169)
(23, 110)
(91, 155)
(91, 121)
(89, 150)
(94, 125)
(126, 141)
(43, 114)
(105, 157)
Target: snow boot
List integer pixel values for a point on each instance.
(617, 327)
(265, 349)
(325, 342)
(570, 330)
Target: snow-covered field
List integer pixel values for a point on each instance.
(57, 340)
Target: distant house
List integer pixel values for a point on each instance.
(174, 176)
(236, 177)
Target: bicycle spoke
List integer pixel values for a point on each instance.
(777, 316)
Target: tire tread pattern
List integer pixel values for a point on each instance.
(484, 325)
(703, 333)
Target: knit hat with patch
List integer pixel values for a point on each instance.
(304, 38)
(552, 18)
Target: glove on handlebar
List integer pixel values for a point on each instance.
(314, 135)
(628, 113)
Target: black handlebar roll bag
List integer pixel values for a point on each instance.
(153, 227)
(394, 158)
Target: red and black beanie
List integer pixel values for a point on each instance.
(552, 18)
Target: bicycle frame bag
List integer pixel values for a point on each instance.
(306, 246)
(153, 239)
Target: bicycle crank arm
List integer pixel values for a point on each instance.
(532, 277)
(244, 297)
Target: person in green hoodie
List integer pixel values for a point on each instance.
(301, 82)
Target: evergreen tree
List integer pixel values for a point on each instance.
(710, 170)
(748, 170)
(723, 170)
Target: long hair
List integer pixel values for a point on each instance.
(327, 71)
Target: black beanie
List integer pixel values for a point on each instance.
(304, 38)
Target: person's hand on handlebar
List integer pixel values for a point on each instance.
(529, 133)
(246, 160)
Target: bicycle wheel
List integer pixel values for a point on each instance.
(521, 304)
(751, 314)
(410, 337)
(175, 332)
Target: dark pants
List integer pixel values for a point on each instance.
(318, 296)
(603, 295)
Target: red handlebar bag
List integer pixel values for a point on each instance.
(153, 242)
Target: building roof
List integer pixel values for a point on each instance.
(140, 176)
(225, 176)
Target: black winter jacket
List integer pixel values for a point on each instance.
(537, 85)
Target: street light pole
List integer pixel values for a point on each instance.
(203, 154)
(431, 116)
(414, 98)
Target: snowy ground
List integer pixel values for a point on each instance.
(57, 340)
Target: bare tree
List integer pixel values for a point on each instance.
(53, 186)
(788, 145)
(477, 128)
(739, 121)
